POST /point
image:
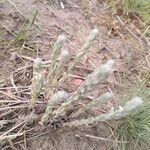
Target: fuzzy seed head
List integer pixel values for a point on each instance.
(101, 72)
(61, 39)
(107, 95)
(108, 66)
(58, 97)
(37, 63)
(136, 102)
(65, 54)
(93, 34)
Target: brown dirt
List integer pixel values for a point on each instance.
(75, 21)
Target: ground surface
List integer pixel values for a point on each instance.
(118, 40)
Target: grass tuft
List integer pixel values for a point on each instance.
(141, 7)
(136, 127)
(23, 33)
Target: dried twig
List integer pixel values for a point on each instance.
(10, 137)
(104, 139)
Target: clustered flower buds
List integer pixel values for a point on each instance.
(61, 102)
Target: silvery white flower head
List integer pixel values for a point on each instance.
(64, 54)
(62, 5)
(107, 94)
(108, 65)
(93, 34)
(120, 108)
(61, 39)
(135, 103)
(58, 97)
(102, 71)
(37, 62)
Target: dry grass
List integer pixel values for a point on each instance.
(137, 12)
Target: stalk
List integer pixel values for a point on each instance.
(129, 108)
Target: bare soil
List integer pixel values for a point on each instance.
(118, 39)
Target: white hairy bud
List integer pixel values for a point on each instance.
(58, 98)
(101, 72)
(61, 39)
(93, 34)
(37, 65)
(133, 104)
(54, 100)
(64, 55)
(128, 108)
(37, 81)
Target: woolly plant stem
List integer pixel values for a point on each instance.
(99, 75)
(60, 69)
(95, 103)
(37, 81)
(54, 56)
(92, 36)
(129, 108)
